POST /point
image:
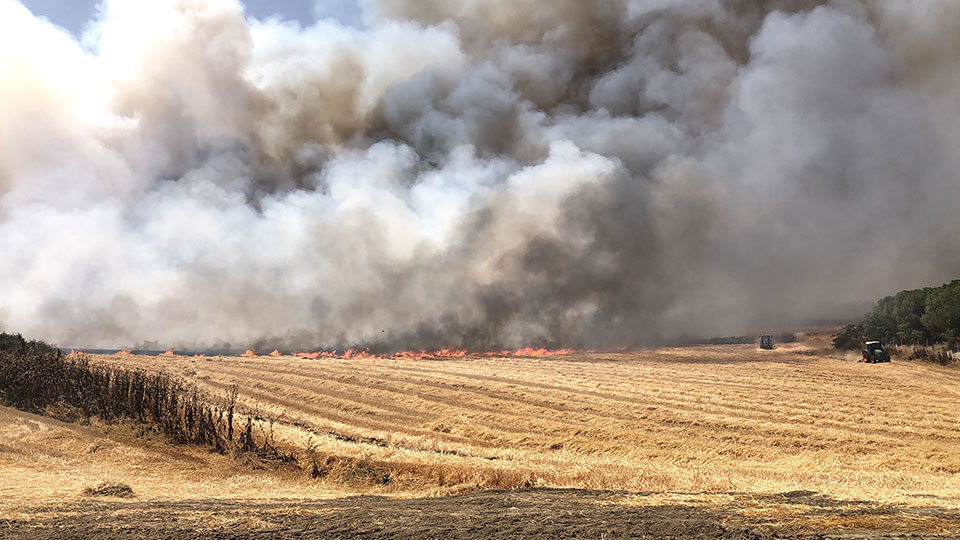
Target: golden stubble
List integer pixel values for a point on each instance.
(702, 422)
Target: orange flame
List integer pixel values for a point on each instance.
(249, 354)
(124, 352)
(354, 354)
(275, 353)
(168, 352)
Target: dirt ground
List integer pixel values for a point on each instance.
(532, 514)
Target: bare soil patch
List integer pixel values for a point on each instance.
(492, 515)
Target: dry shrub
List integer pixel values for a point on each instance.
(461, 478)
(939, 355)
(110, 489)
(64, 412)
(350, 470)
(38, 378)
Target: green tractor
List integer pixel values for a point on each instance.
(873, 353)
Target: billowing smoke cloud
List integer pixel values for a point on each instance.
(478, 173)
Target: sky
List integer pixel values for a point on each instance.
(75, 14)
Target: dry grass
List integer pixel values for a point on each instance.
(45, 462)
(716, 419)
(713, 425)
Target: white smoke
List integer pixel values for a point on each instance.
(476, 173)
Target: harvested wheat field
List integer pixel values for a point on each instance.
(711, 442)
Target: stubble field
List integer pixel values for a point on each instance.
(792, 440)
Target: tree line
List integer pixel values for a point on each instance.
(915, 317)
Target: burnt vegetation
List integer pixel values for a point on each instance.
(38, 378)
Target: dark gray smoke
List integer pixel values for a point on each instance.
(479, 173)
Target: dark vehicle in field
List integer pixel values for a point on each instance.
(873, 353)
(766, 341)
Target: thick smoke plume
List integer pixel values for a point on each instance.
(476, 173)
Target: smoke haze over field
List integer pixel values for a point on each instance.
(477, 173)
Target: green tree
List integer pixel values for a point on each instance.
(881, 324)
(941, 318)
(908, 310)
(915, 316)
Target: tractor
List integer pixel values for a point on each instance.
(766, 342)
(873, 353)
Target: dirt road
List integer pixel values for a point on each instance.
(492, 515)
